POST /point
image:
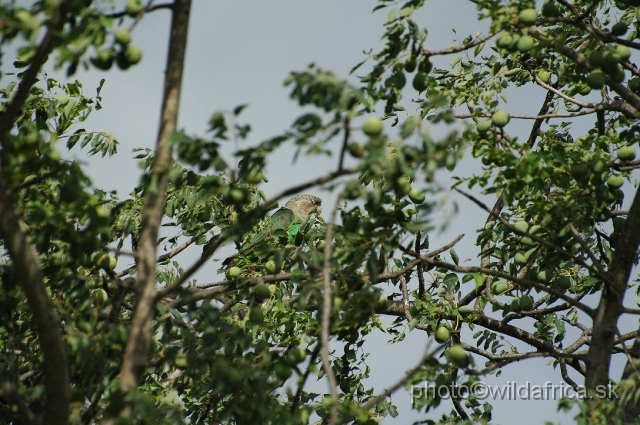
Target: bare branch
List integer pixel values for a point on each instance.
(457, 49)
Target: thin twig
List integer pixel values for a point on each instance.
(326, 316)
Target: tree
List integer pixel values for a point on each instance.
(86, 342)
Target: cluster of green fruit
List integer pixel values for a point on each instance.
(373, 127)
(522, 43)
(421, 80)
(127, 55)
(595, 172)
(125, 58)
(499, 119)
(403, 187)
(513, 42)
(545, 275)
(104, 260)
(523, 303)
(607, 63)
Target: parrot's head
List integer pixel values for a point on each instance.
(305, 205)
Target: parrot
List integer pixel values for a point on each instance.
(290, 218)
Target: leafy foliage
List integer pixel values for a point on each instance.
(242, 350)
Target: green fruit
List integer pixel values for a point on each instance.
(133, 7)
(499, 287)
(122, 36)
(595, 79)
(626, 153)
(271, 267)
(500, 118)
(442, 335)
(579, 171)
(526, 303)
(181, 362)
(544, 275)
(261, 292)
(611, 59)
(236, 195)
(599, 165)
(234, 272)
(622, 4)
(634, 85)
(617, 75)
(100, 296)
(256, 315)
(410, 64)
(416, 195)
(397, 80)
(372, 127)
(525, 43)
(584, 89)
(425, 65)
(515, 305)
(521, 225)
(356, 150)
(403, 186)
(254, 176)
(618, 29)
(113, 262)
(615, 181)
(504, 41)
(458, 356)
(133, 54)
(550, 10)
(520, 258)
(544, 76)
(483, 126)
(101, 259)
(103, 59)
(296, 355)
(528, 16)
(466, 309)
(623, 51)
(563, 282)
(383, 302)
(283, 371)
(596, 58)
(420, 81)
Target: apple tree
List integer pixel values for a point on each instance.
(84, 340)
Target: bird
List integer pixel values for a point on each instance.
(290, 219)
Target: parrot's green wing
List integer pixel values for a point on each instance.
(283, 220)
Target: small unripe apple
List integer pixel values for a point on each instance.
(372, 127)
(234, 272)
(442, 335)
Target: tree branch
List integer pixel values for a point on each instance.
(29, 272)
(610, 306)
(326, 316)
(135, 355)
